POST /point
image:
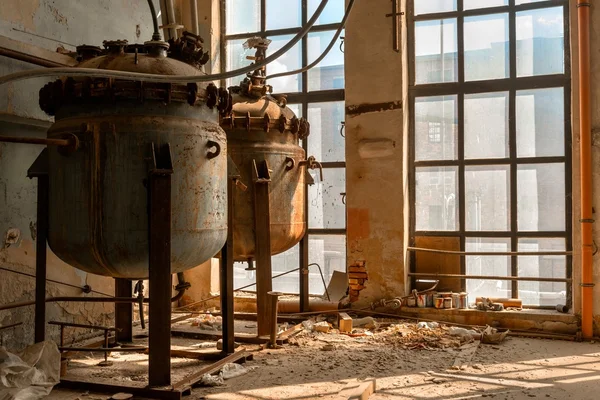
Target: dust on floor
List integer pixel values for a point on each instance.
(316, 365)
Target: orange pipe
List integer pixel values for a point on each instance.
(585, 131)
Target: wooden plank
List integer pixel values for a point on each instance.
(517, 303)
(293, 331)
(439, 263)
(191, 380)
(144, 392)
(357, 390)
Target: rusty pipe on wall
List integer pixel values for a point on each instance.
(194, 14)
(17, 55)
(585, 166)
(30, 140)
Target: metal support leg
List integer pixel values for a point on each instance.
(227, 276)
(262, 229)
(123, 312)
(39, 170)
(274, 299)
(159, 224)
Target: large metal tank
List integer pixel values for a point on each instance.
(98, 219)
(260, 128)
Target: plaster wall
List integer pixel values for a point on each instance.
(375, 151)
(48, 24)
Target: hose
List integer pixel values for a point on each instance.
(90, 72)
(327, 50)
(156, 34)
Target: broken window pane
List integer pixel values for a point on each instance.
(540, 123)
(540, 42)
(434, 6)
(542, 293)
(436, 127)
(329, 73)
(329, 251)
(486, 125)
(471, 4)
(326, 209)
(487, 198)
(283, 14)
(488, 266)
(486, 47)
(436, 199)
(243, 16)
(325, 141)
(290, 61)
(541, 197)
(436, 51)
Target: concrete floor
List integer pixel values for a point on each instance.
(516, 369)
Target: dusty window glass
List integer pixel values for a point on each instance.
(333, 12)
(325, 141)
(329, 73)
(326, 209)
(290, 61)
(283, 14)
(540, 42)
(487, 198)
(542, 293)
(236, 58)
(434, 6)
(280, 263)
(486, 125)
(436, 199)
(471, 4)
(436, 128)
(541, 197)
(243, 16)
(488, 266)
(436, 57)
(329, 251)
(486, 47)
(540, 122)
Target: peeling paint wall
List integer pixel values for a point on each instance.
(375, 152)
(48, 24)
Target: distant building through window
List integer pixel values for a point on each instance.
(489, 86)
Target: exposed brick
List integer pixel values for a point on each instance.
(358, 275)
(358, 287)
(353, 292)
(354, 268)
(353, 281)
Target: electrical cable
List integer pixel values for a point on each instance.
(136, 76)
(53, 281)
(327, 50)
(156, 34)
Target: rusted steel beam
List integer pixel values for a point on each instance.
(159, 225)
(83, 326)
(162, 394)
(262, 222)
(227, 274)
(190, 381)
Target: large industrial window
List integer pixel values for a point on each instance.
(491, 143)
(317, 95)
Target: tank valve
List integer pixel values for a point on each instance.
(312, 163)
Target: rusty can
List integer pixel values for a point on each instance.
(455, 300)
(447, 302)
(429, 300)
(411, 302)
(421, 300)
(463, 301)
(438, 302)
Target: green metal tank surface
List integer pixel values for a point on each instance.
(98, 196)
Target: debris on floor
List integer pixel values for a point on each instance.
(30, 375)
(207, 322)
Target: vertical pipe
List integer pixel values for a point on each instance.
(194, 11)
(583, 14)
(123, 311)
(40, 258)
(274, 299)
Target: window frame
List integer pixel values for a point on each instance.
(303, 98)
(512, 84)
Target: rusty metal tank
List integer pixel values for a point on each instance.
(260, 128)
(98, 197)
